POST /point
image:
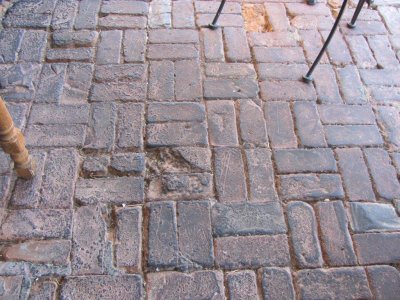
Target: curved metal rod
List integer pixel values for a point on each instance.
(214, 25)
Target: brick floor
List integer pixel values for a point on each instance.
(175, 162)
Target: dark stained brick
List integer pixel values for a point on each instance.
(222, 123)
(384, 281)
(213, 45)
(352, 89)
(188, 80)
(252, 124)
(310, 187)
(251, 251)
(287, 91)
(134, 45)
(77, 83)
(161, 81)
(346, 114)
(172, 51)
(248, 219)
(353, 135)
(87, 14)
(242, 285)
(377, 248)
(277, 284)
(237, 49)
(230, 88)
(130, 125)
(336, 240)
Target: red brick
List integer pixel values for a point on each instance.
(230, 88)
(385, 56)
(182, 14)
(350, 85)
(109, 47)
(43, 290)
(122, 22)
(389, 119)
(310, 22)
(237, 49)
(361, 52)
(338, 52)
(130, 126)
(365, 28)
(134, 45)
(287, 91)
(377, 248)
(353, 135)
(277, 18)
(325, 85)
(211, 7)
(280, 71)
(312, 44)
(213, 44)
(230, 70)
(279, 55)
(272, 39)
(242, 285)
(172, 51)
(277, 284)
(187, 80)
(296, 9)
(346, 114)
(252, 124)
(11, 286)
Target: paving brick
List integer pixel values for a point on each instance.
(211, 7)
(175, 112)
(134, 45)
(230, 88)
(279, 55)
(331, 283)
(24, 224)
(338, 52)
(389, 119)
(64, 15)
(287, 91)
(160, 14)
(385, 56)
(248, 219)
(272, 39)
(361, 52)
(161, 81)
(336, 239)
(308, 125)
(33, 46)
(277, 18)
(123, 287)
(252, 124)
(229, 175)
(135, 90)
(18, 113)
(101, 132)
(67, 55)
(353, 135)
(196, 156)
(350, 85)
(122, 22)
(59, 114)
(81, 38)
(389, 77)
(213, 44)
(109, 48)
(237, 49)
(77, 83)
(326, 86)
(346, 114)
(188, 80)
(196, 250)
(172, 51)
(5, 186)
(96, 165)
(54, 252)
(365, 15)
(230, 70)
(43, 290)
(128, 244)
(51, 83)
(296, 9)
(312, 44)
(365, 28)
(277, 284)
(128, 162)
(222, 123)
(311, 22)
(377, 248)
(183, 14)
(242, 285)
(391, 16)
(355, 175)
(124, 7)
(384, 94)
(87, 14)
(280, 125)
(173, 36)
(174, 285)
(88, 246)
(383, 173)
(384, 281)
(277, 71)
(55, 135)
(163, 236)
(396, 161)
(225, 20)
(11, 286)
(119, 190)
(303, 227)
(251, 251)
(310, 187)
(370, 217)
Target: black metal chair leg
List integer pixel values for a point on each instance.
(308, 78)
(360, 5)
(214, 25)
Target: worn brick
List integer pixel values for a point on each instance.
(36, 224)
(237, 49)
(384, 281)
(18, 112)
(287, 91)
(109, 48)
(389, 119)
(272, 39)
(308, 124)
(312, 44)
(197, 157)
(229, 175)
(55, 135)
(353, 135)
(336, 240)
(346, 114)
(163, 236)
(296, 9)
(261, 175)
(81, 38)
(338, 52)
(278, 71)
(391, 16)
(248, 219)
(175, 112)
(251, 251)
(225, 20)
(33, 46)
(222, 123)
(384, 94)
(194, 217)
(303, 227)
(230, 70)
(109, 287)
(230, 88)
(49, 252)
(67, 55)
(88, 246)
(277, 284)
(128, 244)
(311, 22)
(333, 283)
(280, 125)
(172, 51)
(43, 290)
(355, 175)
(377, 248)
(119, 190)
(128, 162)
(96, 165)
(64, 15)
(122, 22)
(134, 45)
(188, 80)
(173, 36)
(277, 18)
(213, 44)
(252, 124)
(160, 14)
(380, 46)
(51, 83)
(279, 55)
(11, 286)
(59, 114)
(77, 83)
(361, 52)
(310, 187)
(389, 77)
(183, 14)
(383, 173)
(326, 86)
(5, 186)
(87, 14)
(211, 7)
(161, 81)
(60, 174)
(242, 285)
(174, 285)
(124, 7)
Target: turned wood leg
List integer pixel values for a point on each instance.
(12, 141)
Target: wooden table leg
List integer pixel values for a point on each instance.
(13, 142)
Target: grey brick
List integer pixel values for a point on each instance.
(230, 70)
(128, 162)
(188, 80)
(122, 22)
(384, 281)
(172, 51)
(237, 49)
(377, 248)
(183, 14)
(161, 81)
(279, 55)
(230, 88)
(252, 124)
(134, 45)
(81, 38)
(277, 284)
(64, 15)
(87, 14)
(346, 114)
(350, 84)
(33, 46)
(55, 135)
(213, 44)
(389, 119)
(287, 91)
(51, 83)
(175, 112)
(109, 48)
(326, 86)
(353, 135)
(67, 55)
(77, 83)
(59, 114)
(173, 36)
(124, 7)
(10, 41)
(222, 123)
(130, 125)
(242, 285)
